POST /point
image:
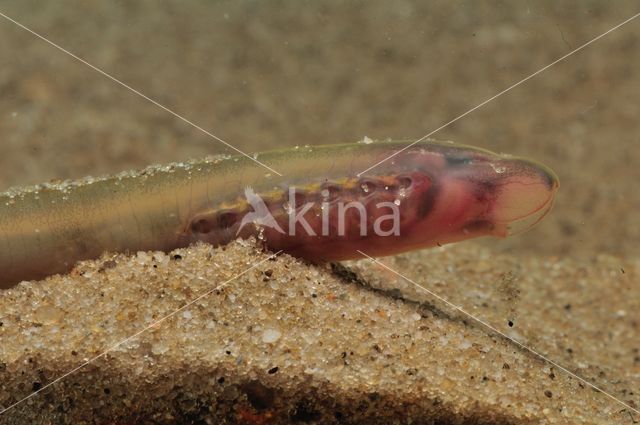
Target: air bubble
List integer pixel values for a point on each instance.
(498, 169)
(367, 186)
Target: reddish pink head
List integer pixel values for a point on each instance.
(478, 193)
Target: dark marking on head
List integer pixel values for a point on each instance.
(549, 179)
(458, 161)
(479, 226)
(428, 200)
(484, 190)
(532, 168)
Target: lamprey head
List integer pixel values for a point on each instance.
(482, 193)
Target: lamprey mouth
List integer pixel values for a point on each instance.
(524, 196)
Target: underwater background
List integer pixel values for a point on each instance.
(276, 74)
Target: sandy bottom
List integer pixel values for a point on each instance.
(286, 342)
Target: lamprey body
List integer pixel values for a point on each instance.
(429, 194)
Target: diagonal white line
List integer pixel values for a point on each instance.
(502, 334)
(593, 40)
(115, 80)
(129, 338)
